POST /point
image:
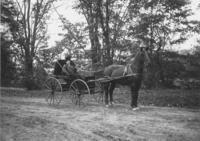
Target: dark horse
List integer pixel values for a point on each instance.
(135, 66)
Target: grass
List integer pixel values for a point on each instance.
(163, 97)
(171, 98)
(158, 97)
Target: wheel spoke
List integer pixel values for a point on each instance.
(73, 94)
(97, 95)
(78, 89)
(55, 96)
(51, 98)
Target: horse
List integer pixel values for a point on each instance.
(135, 66)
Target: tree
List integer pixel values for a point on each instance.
(197, 49)
(89, 9)
(74, 39)
(31, 18)
(106, 21)
(160, 23)
(197, 30)
(8, 66)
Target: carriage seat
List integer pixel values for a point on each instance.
(58, 67)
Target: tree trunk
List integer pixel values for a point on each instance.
(29, 80)
(104, 20)
(90, 11)
(160, 68)
(95, 45)
(107, 37)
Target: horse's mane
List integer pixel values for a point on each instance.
(135, 63)
(133, 59)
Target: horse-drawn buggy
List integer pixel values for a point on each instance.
(74, 86)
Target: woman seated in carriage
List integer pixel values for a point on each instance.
(69, 67)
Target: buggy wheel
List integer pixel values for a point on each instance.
(54, 91)
(77, 90)
(98, 92)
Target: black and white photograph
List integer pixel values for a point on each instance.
(100, 70)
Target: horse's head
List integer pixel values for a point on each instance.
(137, 64)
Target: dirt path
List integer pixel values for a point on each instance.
(27, 119)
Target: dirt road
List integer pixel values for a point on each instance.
(31, 119)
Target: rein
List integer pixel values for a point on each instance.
(128, 69)
(59, 64)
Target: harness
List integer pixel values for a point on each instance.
(127, 69)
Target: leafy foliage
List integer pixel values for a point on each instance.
(27, 21)
(160, 23)
(197, 49)
(107, 22)
(74, 39)
(8, 66)
(32, 34)
(113, 29)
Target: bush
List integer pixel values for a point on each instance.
(35, 81)
(162, 97)
(30, 83)
(8, 67)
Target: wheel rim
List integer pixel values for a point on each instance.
(77, 90)
(98, 93)
(54, 91)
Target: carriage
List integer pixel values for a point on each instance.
(60, 86)
(77, 87)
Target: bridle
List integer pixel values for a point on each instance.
(128, 69)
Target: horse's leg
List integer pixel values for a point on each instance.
(111, 89)
(106, 87)
(134, 97)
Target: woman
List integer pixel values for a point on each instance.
(69, 67)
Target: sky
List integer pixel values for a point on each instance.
(65, 7)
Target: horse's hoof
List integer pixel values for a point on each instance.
(135, 108)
